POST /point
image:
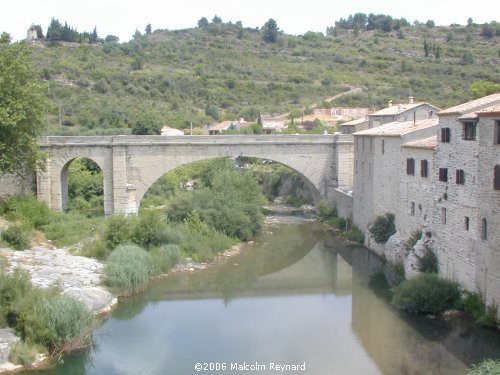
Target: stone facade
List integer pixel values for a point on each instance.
(458, 211)
(131, 164)
(402, 112)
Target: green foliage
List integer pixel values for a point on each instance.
(486, 367)
(18, 236)
(22, 103)
(473, 305)
(412, 241)
(338, 222)
(270, 31)
(24, 354)
(166, 256)
(27, 209)
(43, 316)
(85, 187)
(326, 210)
(129, 268)
(147, 124)
(354, 235)
(427, 293)
(428, 263)
(117, 231)
(383, 227)
(148, 229)
(482, 88)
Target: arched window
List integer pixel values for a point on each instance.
(484, 229)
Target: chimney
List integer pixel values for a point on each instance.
(389, 104)
(410, 99)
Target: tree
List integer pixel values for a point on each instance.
(54, 31)
(148, 28)
(203, 22)
(111, 39)
(470, 22)
(483, 88)
(216, 19)
(430, 24)
(21, 109)
(147, 124)
(270, 31)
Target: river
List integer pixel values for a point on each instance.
(296, 296)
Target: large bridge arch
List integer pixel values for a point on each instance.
(131, 164)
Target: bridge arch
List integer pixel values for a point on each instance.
(146, 184)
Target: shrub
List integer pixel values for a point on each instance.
(383, 228)
(66, 322)
(354, 235)
(147, 229)
(412, 241)
(426, 293)
(17, 236)
(24, 354)
(326, 210)
(129, 268)
(473, 305)
(166, 256)
(27, 209)
(486, 367)
(429, 261)
(117, 231)
(338, 222)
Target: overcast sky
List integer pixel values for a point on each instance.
(123, 17)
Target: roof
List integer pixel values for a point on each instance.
(270, 118)
(167, 130)
(355, 122)
(224, 125)
(396, 109)
(474, 105)
(492, 110)
(429, 143)
(399, 128)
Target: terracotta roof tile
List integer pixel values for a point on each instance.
(429, 143)
(398, 128)
(472, 106)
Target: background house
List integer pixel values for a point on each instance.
(227, 125)
(168, 131)
(271, 124)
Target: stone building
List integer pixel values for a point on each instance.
(442, 178)
(411, 111)
(354, 125)
(31, 33)
(271, 124)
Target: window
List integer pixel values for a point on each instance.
(469, 129)
(443, 215)
(466, 223)
(445, 135)
(424, 166)
(496, 178)
(497, 133)
(443, 174)
(383, 146)
(410, 166)
(460, 177)
(484, 230)
(412, 210)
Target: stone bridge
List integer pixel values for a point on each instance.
(131, 164)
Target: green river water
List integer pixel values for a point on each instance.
(296, 296)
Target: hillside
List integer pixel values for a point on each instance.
(226, 71)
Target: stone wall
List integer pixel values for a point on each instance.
(12, 185)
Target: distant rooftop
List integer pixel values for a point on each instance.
(396, 109)
(355, 122)
(429, 143)
(472, 106)
(398, 128)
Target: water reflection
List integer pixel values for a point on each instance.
(295, 296)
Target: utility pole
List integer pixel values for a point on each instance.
(60, 118)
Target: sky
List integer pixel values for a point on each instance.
(123, 17)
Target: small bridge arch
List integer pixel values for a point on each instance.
(131, 164)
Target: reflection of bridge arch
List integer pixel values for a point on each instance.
(131, 164)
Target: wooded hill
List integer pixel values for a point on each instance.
(225, 71)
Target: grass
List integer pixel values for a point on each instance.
(486, 367)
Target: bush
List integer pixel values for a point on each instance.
(24, 354)
(165, 257)
(338, 222)
(17, 236)
(129, 268)
(473, 305)
(412, 241)
(326, 210)
(27, 209)
(486, 367)
(429, 261)
(66, 321)
(148, 228)
(117, 231)
(383, 228)
(426, 293)
(354, 235)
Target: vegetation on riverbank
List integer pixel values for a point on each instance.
(328, 214)
(486, 367)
